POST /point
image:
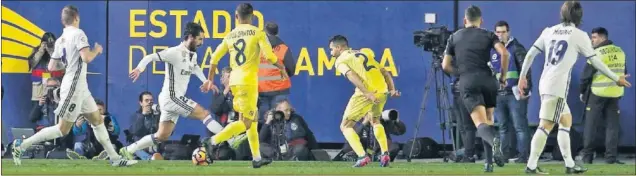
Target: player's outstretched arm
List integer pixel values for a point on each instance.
(389, 82)
(160, 56)
(220, 51)
(527, 62)
(585, 47)
(267, 50)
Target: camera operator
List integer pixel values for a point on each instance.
(471, 47)
(285, 135)
(146, 121)
(511, 110)
(38, 62)
(392, 125)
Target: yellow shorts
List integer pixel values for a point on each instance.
(359, 106)
(245, 99)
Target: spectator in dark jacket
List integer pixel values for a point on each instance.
(287, 137)
(367, 138)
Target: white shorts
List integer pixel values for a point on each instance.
(173, 107)
(552, 108)
(73, 104)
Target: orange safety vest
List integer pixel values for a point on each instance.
(269, 76)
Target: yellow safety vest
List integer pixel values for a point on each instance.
(614, 57)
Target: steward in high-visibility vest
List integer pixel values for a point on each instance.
(271, 87)
(599, 84)
(270, 80)
(614, 57)
(601, 96)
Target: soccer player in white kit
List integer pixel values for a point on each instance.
(181, 62)
(562, 43)
(73, 50)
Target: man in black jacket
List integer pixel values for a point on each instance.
(370, 144)
(511, 110)
(287, 137)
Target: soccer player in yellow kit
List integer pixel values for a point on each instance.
(245, 43)
(373, 84)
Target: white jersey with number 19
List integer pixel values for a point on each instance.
(561, 45)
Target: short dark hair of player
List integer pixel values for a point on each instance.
(339, 40)
(572, 12)
(193, 29)
(502, 23)
(271, 28)
(245, 10)
(141, 96)
(473, 13)
(601, 31)
(69, 14)
(226, 70)
(99, 102)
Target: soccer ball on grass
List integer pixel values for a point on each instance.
(200, 157)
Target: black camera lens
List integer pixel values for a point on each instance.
(278, 115)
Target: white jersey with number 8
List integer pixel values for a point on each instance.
(75, 98)
(561, 45)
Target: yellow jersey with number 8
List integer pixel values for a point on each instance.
(244, 43)
(363, 64)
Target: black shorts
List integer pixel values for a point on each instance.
(478, 89)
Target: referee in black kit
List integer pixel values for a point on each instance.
(478, 86)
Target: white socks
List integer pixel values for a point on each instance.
(212, 124)
(48, 133)
(536, 147)
(563, 138)
(142, 143)
(102, 137)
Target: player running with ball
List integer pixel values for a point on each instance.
(562, 43)
(245, 44)
(181, 62)
(371, 82)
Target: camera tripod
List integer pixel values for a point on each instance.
(437, 75)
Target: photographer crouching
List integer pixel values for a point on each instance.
(392, 125)
(285, 135)
(42, 114)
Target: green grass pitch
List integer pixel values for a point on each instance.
(90, 167)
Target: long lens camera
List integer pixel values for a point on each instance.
(432, 39)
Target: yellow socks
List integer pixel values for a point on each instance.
(380, 135)
(230, 130)
(252, 137)
(354, 141)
